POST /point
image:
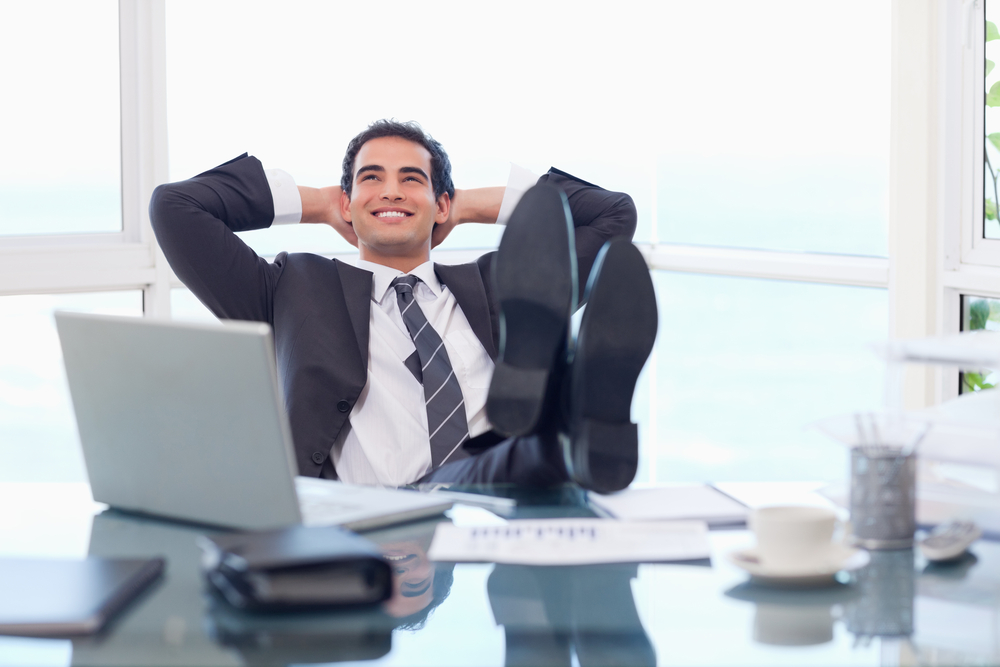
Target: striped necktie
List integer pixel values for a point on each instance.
(447, 427)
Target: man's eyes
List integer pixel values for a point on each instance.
(374, 177)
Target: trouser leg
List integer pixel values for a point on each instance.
(532, 460)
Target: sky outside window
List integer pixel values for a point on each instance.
(759, 125)
(60, 170)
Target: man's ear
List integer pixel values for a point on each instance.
(443, 208)
(345, 206)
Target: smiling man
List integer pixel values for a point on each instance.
(399, 369)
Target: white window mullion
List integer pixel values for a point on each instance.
(144, 133)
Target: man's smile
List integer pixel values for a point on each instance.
(384, 213)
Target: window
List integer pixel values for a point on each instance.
(979, 314)
(991, 149)
(742, 160)
(39, 440)
(60, 171)
(742, 367)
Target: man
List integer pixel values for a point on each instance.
(386, 377)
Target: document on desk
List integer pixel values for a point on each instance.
(572, 542)
(699, 502)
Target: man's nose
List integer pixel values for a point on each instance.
(391, 190)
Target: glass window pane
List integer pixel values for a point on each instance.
(991, 120)
(727, 127)
(185, 306)
(60, 123)
(979, 314)
(38, 438)
(742, 367)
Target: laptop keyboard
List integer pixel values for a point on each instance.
(325, 504)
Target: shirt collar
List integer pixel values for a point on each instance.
(382, 277)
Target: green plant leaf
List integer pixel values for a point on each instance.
(979, 312)
(994, 139)
(993, 97)
(994, 310)
(975, 382)
(989, 67)
(991, 31)
(990, 209)
(969, 381)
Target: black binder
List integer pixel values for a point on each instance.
(297, 567)
(57, 598)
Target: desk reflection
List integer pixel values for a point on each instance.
(550, 613)
(789, 617)
(181, 622)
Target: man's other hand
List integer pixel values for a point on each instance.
(322, 205)
(480, 205)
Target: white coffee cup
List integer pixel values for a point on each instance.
(793, 538)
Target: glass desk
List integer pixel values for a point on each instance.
(897, 611)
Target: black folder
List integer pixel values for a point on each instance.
(57, 598)
(297, 567)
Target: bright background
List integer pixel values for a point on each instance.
(760, 125)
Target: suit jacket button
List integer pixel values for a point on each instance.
(318, 457)
(343, 406)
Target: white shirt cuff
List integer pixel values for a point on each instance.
(518, 182)
(285, 195)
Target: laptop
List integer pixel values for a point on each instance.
(186, 421)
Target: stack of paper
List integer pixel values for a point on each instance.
(692, 501)
(571, 542)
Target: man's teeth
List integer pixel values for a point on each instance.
(390, 214)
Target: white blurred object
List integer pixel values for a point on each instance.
(972, 350)
(959, 449)
(949, 541)
(965, 429)
(891, 428)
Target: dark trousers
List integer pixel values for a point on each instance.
(532, 460)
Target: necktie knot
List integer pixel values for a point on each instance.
(404, 284)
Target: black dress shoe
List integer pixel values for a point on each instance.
(535, 278)
(600, 443)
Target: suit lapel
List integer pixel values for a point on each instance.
(357, 284)
(466, 284)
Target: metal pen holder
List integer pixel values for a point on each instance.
(883, 496)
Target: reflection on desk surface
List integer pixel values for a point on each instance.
(899, 610)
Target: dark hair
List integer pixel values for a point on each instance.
(411, 131)
(444, 577)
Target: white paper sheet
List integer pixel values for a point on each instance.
(669, 503)
(571, 542)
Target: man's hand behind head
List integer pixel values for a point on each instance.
(322, 205)
(480, 205)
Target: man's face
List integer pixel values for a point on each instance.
(392, 207)
(412, 578)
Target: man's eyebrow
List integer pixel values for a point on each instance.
(414, 170)
(370, 167)
(417, 589)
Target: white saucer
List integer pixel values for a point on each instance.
(840, 558)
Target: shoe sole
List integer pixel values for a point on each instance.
(616, 335)
(535, 278)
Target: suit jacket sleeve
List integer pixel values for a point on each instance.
(599, 215)
(194, 221)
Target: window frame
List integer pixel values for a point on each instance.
(976, 249)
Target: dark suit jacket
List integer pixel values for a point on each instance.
(318, 307)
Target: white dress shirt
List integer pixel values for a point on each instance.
(385, 441)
